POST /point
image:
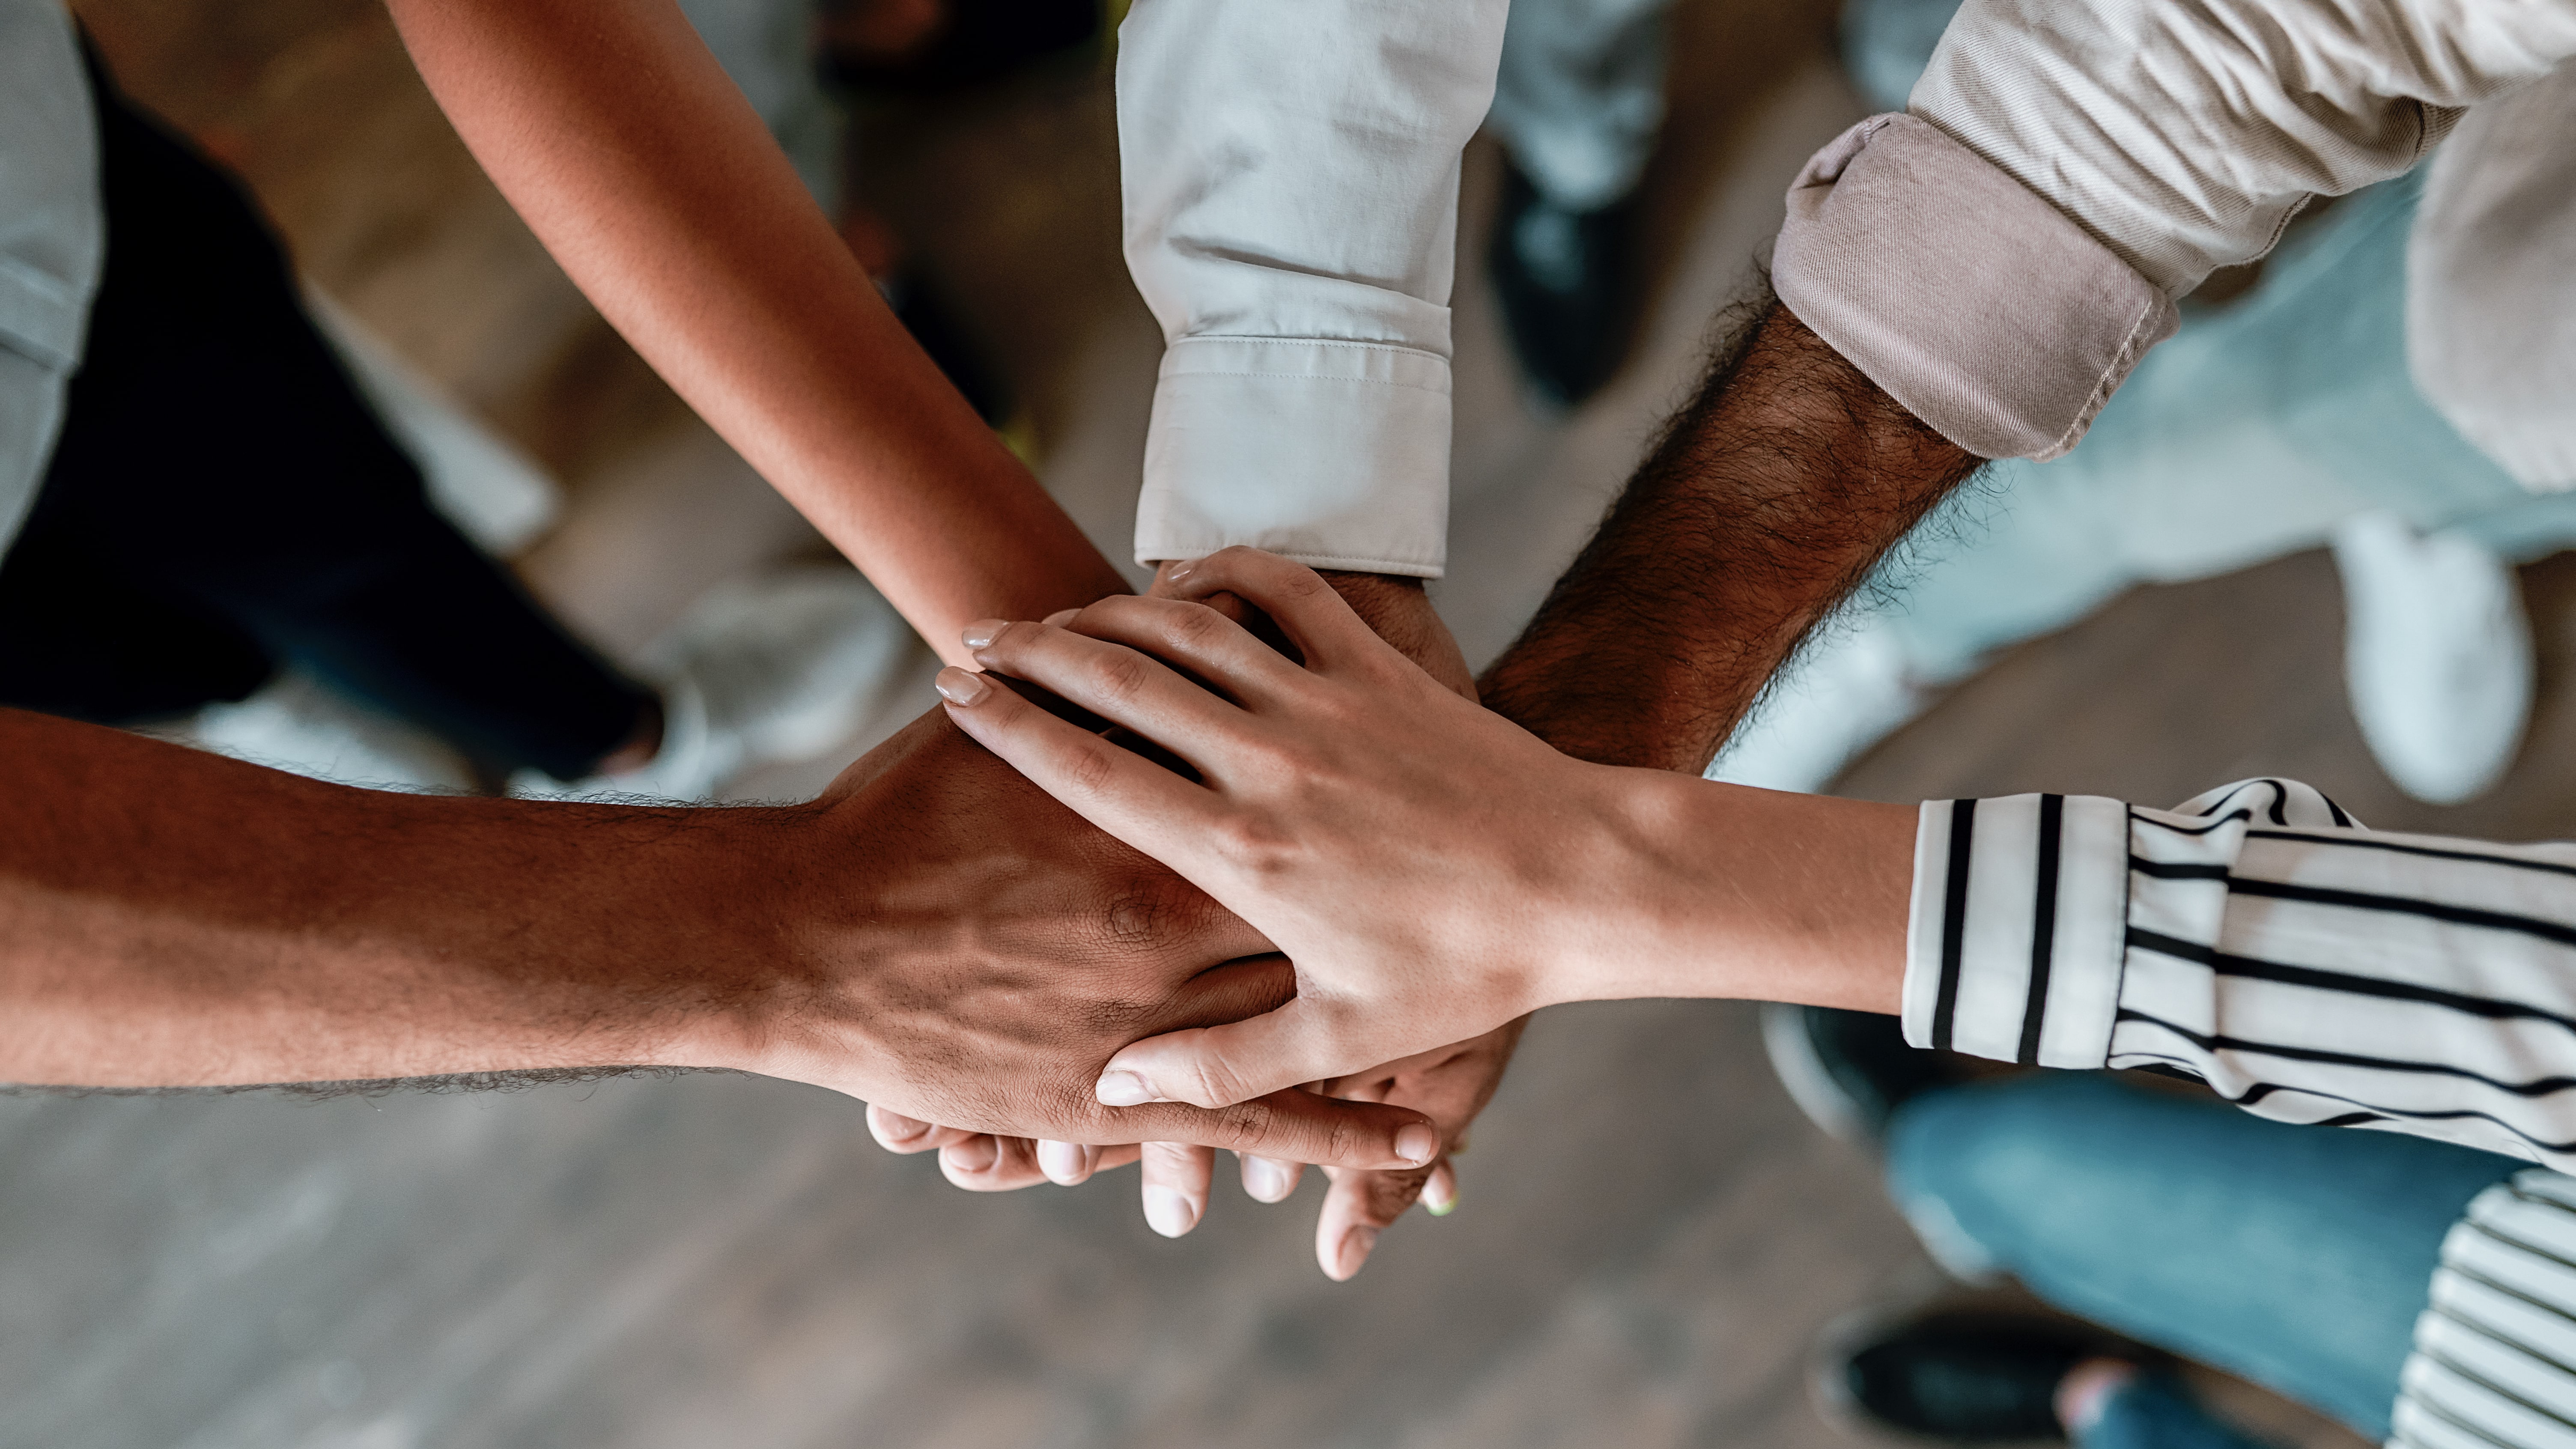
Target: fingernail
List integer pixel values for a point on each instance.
(1416, 1144)
(976, 1154)
(1121, 1089)
(1265, 1180)
(983, 632)
(959, 687)
(1064, 1163)
(1061, 617)
(1357, 1244)
(1180, 571)
(899, 1128)
(1169, 1213)
(1439, 1199)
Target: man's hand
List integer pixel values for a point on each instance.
(935, 933)
(959, 948)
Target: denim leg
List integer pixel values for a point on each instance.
(2297, 1257)
(2152, 1412)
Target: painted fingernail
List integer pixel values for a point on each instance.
(960, 687)
(983, 632)
(1266, 1181)
(1064, 1163)
(1061, 617)
(1357, 1244)
(1169, 1213)
(975, 1154)
(1122, 1089)
(1416, 1144)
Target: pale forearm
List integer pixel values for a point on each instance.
(639, 165)
(170, 918)
(1768, 502)
(1727, 891)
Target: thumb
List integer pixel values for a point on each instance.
(1218, 1066)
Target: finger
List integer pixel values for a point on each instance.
(897, 1133)
(1215, 1065)
(1267, 1179)
(1177, 1177)
(1317, 620)
(1123, 685)
(1132, 798)
(1291, 1126)
(991, 1164)
(1198, 638)
(1440, 1193)
(1357, 1208)
(1067, 1164)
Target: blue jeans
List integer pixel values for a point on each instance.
(2297, 1257)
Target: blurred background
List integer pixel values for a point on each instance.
(1650, 1237)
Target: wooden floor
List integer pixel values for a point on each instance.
(1649, 1238)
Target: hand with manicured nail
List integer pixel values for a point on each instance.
(953, 947)
(1433, 870)
(1451, 1084)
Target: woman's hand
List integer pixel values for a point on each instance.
(1433, 870)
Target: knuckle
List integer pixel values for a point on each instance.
(1089, 765)
(1122, 675)
(1245, 1126)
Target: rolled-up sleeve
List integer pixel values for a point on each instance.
(1291, 188)
(1998, 257)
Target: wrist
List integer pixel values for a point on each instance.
(1724, 891)
(706, 963)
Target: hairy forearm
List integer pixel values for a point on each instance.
(640, 166)
(171, 918)
(1769, 499)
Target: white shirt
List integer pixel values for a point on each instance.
(1291, 182)
(53, 239)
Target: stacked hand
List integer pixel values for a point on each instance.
(1450, 1083)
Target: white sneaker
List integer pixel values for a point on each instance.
(2437, 656)
(295, 724)
(782, 667)
(1848, 691)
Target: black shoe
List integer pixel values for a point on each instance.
(1850, 1070)
(1565, 281)
(980, 41)
(917, 306)
(1964, 1376)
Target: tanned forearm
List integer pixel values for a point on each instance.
(636, 161)
(170, 918)
(1768, 501)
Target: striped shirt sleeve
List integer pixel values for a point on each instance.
(2260, 939)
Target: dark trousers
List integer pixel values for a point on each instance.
(223, 502)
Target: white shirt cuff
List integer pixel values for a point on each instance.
(1335, 454)
(2015, 940)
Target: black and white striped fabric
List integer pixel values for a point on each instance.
(2495, 1343)
(2308, 969)
(2260, 939)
